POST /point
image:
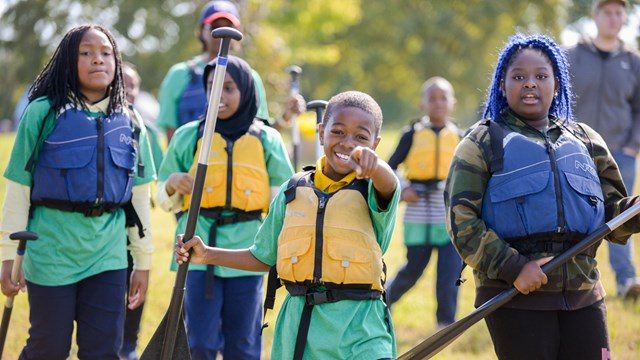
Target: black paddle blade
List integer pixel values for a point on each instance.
(4, 328)
(181, 351)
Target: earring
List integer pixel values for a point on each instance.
(555, 94)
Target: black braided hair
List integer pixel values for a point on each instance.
(59, 78)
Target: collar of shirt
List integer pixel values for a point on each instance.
(100, 106)
(324, 183)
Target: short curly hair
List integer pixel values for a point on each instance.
(354, 99)
(561, 105)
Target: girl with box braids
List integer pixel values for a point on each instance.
(59, 79)
(561, 105)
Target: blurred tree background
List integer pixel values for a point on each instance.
(385, 48)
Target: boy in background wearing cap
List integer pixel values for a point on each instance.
(182, 97)
(605, 78)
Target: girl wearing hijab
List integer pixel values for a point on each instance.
(247, 164)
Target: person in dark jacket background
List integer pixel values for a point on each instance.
(606, 81)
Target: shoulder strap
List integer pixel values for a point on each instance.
(136, 137)
(193, 70)
(290, 192)
(29, 166)
(577, 129)
(496, 136)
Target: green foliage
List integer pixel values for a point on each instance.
(385, 48)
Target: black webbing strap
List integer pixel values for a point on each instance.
(29, 166)
(303, 331)
(219, 219)
(132, 218)
(497, 136)
(89, 209)
(273, 284)
(208, 287)
(555, 243)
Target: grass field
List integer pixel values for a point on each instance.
(413, 315)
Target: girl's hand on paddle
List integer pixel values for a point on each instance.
(364, 161)
(196, 245)
(531, 276)
(138, 289)
(179, 182)
(9, 288)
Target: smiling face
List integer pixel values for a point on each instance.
(96, 65)
(229, 98)
(529, 85)
(348, 128)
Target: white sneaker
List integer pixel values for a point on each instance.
(630, 290)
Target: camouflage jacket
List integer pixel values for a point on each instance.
(495, 263)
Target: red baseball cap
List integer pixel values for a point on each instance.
(220, 9)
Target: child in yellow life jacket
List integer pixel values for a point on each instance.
(325, 233)
(425, 151)
(223, 305)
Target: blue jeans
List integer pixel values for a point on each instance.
(229, 323)
(621, 256)
(449, 264)
(96, 304)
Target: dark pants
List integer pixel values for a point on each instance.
(550, 335)
(95, 304)
(230, 322)
(449, 265)
(131, 318)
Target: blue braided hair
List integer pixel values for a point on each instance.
(561, 105)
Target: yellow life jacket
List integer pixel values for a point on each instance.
(431, 153)
(237, 175)
(328, 240)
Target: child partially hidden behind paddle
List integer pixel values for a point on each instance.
(325, 232)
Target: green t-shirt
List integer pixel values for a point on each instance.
(347, 329)
(176, 81)
(180, 157)
(71, 246)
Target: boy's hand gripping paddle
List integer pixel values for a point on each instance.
(21, 236)
(294, 90)
(170, 339)
(438, 341)
(318, 106)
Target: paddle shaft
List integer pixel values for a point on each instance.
(22, 237)
(177, 296)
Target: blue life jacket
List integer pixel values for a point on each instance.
(543, 190)
(193, 99)
(86, 164)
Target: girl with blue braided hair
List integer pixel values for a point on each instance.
(524, 186)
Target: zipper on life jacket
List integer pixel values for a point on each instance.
(556, 184)
(100, 161)
(437, 162)
(317, 264)
(229, 149)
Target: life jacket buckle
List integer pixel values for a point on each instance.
(317, 298)
(94, 211)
